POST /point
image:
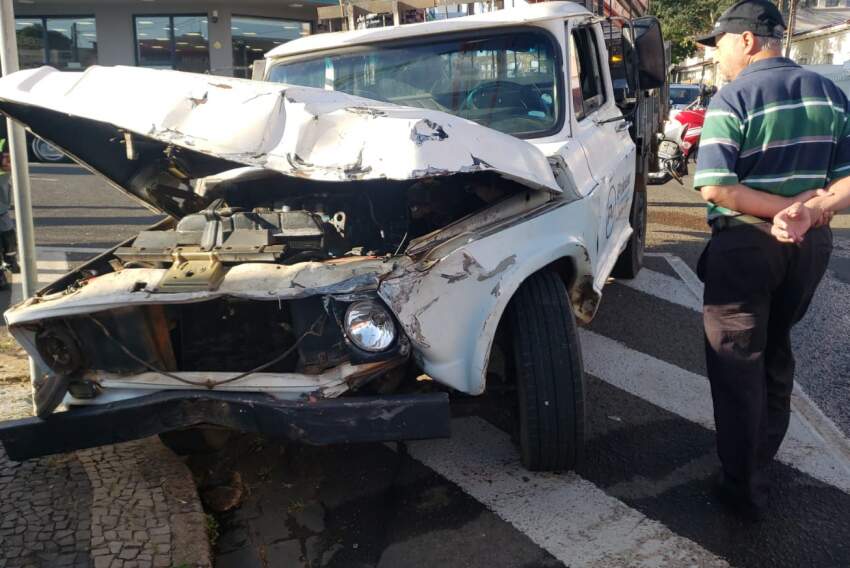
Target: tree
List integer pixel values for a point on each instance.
(683, 20)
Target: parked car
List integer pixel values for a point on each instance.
(682, 95)
(416, 211)
(41, 151)
(838, 74)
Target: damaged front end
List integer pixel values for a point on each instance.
(300, 236)
(272, 287)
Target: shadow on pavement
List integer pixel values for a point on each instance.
(663, 466)
(65, 170)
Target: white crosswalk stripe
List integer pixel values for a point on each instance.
(688, 395)
(50, 265)
(664, 287)
(572, 519)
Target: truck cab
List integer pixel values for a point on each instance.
(545, 73)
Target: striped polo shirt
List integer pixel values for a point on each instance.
(776, 128)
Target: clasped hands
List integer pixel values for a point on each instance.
(791, 224)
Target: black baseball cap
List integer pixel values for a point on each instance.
(760, 17)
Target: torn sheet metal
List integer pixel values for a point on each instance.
(221, 123)
(250, 281)
(451, 301)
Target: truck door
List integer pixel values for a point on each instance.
(608, 147)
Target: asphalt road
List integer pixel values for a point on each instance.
(641, 499)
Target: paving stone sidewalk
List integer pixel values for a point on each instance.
(130, 505)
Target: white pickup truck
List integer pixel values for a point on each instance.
(391, 216)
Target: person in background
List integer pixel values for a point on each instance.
(8, 241)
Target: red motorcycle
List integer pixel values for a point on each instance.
(692, 118)
(680, 140)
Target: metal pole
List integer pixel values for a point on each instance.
(792, 21)
(20, 165)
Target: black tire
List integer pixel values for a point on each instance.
(631, 259)
(198, 440)
(549, 375)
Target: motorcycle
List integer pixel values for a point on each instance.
(693, 118)
(680, 140)
(672, 161)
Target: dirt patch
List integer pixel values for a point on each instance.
(15, 390)
(673, 218)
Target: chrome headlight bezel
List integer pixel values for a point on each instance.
(370, 326)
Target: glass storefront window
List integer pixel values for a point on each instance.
(30, 32)
(67, 43)
(191, 44)
(71, 43)
(153, 42)
(173, 42)
(253, 37)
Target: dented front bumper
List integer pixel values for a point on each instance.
(329, 421)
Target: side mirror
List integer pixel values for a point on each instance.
(258, 70)
(649, 46)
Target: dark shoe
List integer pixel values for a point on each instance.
(739, 501)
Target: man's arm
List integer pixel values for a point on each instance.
(746, 200)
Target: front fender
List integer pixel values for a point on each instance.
(451, 308)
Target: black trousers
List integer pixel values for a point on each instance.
(8, 247)
(756, 289)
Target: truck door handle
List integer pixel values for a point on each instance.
(623, 126)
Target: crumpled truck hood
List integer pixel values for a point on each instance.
(210, 124)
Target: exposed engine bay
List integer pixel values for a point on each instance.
(249, 215)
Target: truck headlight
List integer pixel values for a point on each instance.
(59, 350)
(369, 325)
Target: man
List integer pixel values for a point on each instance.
(773, 138)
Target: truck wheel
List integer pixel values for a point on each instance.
(631, 259)
(549, 375)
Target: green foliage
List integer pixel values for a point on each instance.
(213, 531)
(32, 37)
(683, 20)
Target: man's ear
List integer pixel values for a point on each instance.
(750, 43)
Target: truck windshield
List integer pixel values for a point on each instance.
(506, 81)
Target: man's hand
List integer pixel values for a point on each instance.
(826, 214)
(791, 224)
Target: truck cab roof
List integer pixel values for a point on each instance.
(501, 18)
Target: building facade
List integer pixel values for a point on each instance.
(821, 32)
(221, 39)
